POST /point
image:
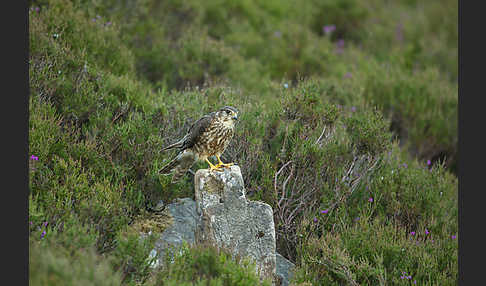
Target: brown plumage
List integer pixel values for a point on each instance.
(208, 136)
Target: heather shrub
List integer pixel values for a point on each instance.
(368, 132)
(205, 265)
(348, 17)
(65, 255)
(371, 253)
(61, 28)
(424, 36)
(400, 226)
(415, 107)
(131, 256)
(51, 266)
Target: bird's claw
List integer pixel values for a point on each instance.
(215, 168)
(225, 165)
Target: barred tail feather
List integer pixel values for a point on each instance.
(175, 145)
(171, 165)
(178, 144)
(180, 164)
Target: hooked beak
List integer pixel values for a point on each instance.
(235, 117)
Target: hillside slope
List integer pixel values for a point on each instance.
(348, 109)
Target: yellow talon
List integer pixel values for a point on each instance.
(220, 163)
(212, 167)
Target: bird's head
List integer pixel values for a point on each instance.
(228, 114)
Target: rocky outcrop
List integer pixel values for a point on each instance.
(284, 270)
(224, 217)
(229, 220)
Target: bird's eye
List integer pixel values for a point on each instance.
(228, 111)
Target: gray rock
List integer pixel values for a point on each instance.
(229, 221)
(284, 269)
(182, 228)
(222, 216)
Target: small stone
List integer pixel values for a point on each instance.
(160, 206)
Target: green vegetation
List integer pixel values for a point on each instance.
(340, 121)
(206, 265)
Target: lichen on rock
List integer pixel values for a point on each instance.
(229, 220)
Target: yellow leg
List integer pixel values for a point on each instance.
(212, 167)
(220, 163)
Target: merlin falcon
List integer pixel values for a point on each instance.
(208, 136)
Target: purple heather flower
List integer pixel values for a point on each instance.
(325, 211)
(405, 275)
(93, 20)
(340, 46)
(414, 281)
(353, 109)
(328, 29)
(427, 231)
(428, 162)
(33, 157)
(315, 219)
(45, 223)
(30, 222)
(37, 9)
(405, 165)
(356, 219)
(412, 233)
(370, 200)
(453, 237)
(347, 75)
(43, 234)
(108, 23)
(340, 43)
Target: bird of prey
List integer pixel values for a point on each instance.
(208, 136)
